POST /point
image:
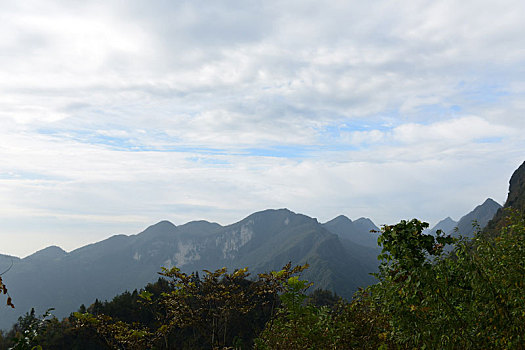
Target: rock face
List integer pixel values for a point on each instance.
(515, 199)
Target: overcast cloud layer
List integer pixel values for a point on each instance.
(115, 115)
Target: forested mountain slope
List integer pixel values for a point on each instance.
(262, 241)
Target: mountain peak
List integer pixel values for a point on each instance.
(341, 219)
(274, 211)
(481, 215)
(446, 221)
(199, 223)
(488, 207)
(160, 226)
(163, 224)
(491, 202)
(365, 224)
(51, 252)
(198, 228)
(364, 220)
(283, 214)
(357, 231)
(446, 225)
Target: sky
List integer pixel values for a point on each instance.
(115, 115)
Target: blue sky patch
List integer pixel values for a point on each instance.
(489, 140)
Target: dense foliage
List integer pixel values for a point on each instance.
(218, 310)
(470, 299)
(427, 296)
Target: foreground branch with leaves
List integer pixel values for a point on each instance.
(3, 287)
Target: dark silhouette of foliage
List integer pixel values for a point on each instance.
(323, 297)
(47, 332)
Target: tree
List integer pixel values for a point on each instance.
(218, 310)
(471, 298)
(323, 297)
(28, 329)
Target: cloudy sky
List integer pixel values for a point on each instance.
(115, 115)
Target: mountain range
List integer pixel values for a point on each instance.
(263, 241)
(467, 226)
(341, 253)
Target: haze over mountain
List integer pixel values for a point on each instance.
(447, 225)
(358, 231)
(479, 216)
(263, 241)
(466, 226)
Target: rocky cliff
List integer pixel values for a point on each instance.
(515, 200)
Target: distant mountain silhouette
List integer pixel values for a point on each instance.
(49, 253)
(478, 218)
(357, 231)
(468, 224)
(447, 225)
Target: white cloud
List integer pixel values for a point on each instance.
(129, 112)
(463, 130)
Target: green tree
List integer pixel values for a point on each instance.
(28, 329)
(323, 297)
(218, 310)
(470, 299)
